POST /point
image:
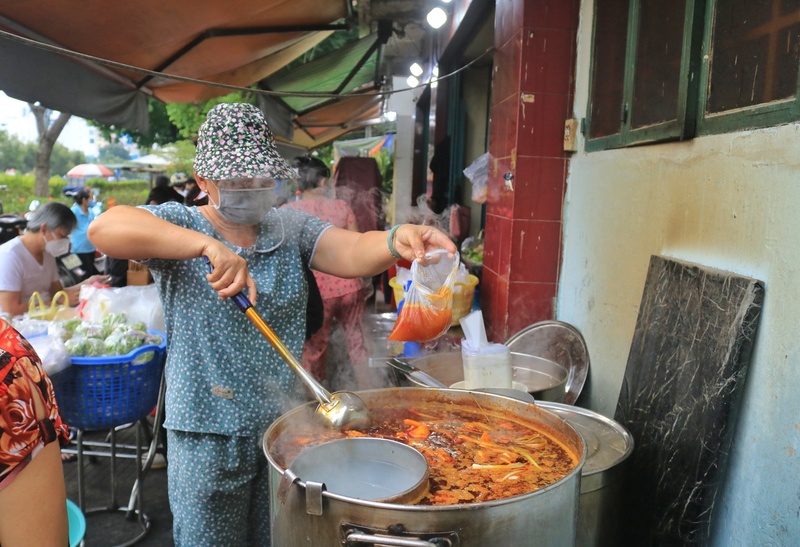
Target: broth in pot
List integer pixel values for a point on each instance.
(474, 454)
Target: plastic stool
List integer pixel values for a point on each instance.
(77, 524)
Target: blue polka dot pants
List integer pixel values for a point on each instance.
(218, 490)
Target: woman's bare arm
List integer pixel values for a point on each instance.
(350, 254)
(137, 234)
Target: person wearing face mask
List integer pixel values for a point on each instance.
(225, 382)
(28, 262)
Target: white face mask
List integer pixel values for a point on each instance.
(56, 247)
(246, 206)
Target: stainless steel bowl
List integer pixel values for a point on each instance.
(545, 379)
(366, 468)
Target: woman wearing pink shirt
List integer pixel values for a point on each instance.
(342, 298)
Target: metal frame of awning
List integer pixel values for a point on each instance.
(102, 61)
(255, 31)
(329, 122)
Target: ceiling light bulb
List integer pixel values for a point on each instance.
(416, 70)
(446, 1)
(437, 17)
(412, 81)
(435, 71)
(391, 116)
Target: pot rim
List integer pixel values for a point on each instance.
(563, 425)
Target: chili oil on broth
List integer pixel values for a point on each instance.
(474, 453)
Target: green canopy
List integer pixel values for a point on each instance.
(348, 68)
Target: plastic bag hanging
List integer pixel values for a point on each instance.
(427, 310)
(478, 174)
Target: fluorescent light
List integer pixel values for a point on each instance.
(412, 81)
(446, 1)
(436, 17)
(416, 70)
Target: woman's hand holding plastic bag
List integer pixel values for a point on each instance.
(427, 310)
(415, 242)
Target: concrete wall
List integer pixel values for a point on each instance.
(725, 201)
(403, 104)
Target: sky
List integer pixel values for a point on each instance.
(16, 118)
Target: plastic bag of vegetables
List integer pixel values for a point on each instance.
(113, 336)
(89, 330)
(123, 340)
(472, 250)
(85, 346)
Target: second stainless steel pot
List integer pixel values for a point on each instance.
(545, 380)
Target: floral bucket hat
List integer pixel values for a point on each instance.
(235, 141)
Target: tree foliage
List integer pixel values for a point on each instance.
(21, 156)
(114, 153)
(62, 159)
(15, 154)
(181, 157)
(187, 117)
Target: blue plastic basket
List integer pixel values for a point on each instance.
(104, 392)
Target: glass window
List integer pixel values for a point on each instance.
(608, 67)
(667, 70)
(755, 53)
(658, 62)
(642, 79)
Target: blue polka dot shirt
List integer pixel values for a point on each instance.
(222, 375)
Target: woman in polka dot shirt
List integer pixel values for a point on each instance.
(225, 383)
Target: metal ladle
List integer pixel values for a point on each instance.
(341, 410)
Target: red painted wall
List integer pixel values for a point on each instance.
(532, 95)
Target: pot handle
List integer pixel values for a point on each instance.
(361, 537)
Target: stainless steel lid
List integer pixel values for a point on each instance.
(608, 443)
(366, 468)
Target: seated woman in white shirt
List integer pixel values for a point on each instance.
(28, 262)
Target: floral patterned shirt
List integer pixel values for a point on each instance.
(22, 379)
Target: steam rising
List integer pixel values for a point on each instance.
(424, 215)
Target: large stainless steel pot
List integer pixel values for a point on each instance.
(314, 517)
